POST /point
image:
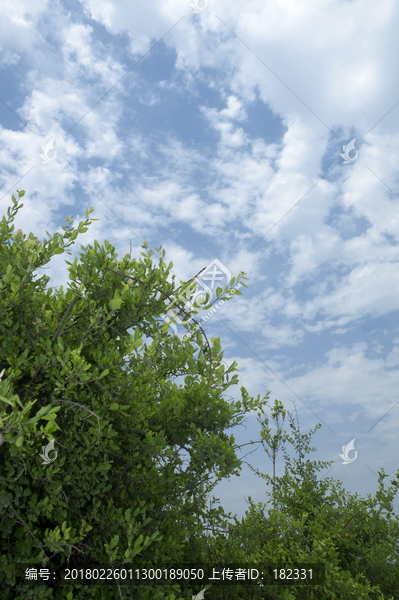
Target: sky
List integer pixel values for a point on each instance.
(260, 134)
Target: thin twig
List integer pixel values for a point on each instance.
(120, 593)
(21, 519)
(82, 407)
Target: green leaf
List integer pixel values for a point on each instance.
(49, 417)
(42, 411)
(115, 303)
(58, 251)
(114, 406)
(20, 441)
(51, 427)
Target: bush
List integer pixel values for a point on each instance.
(74, 379)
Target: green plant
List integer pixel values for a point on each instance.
(72, 372)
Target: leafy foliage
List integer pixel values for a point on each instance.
(315, 521)
(71, 372)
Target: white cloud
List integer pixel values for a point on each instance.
(328, 265)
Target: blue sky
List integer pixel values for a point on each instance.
(218, 135)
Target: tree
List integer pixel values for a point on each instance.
(315, 521)
(274, 442)
(72, 372)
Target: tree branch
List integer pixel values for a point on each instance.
(22, 521)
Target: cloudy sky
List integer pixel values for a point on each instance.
(217, 130)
